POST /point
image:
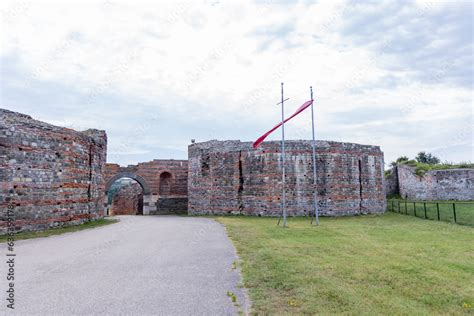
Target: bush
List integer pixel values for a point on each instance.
(465, 164)
(422, 168)
(425, 162)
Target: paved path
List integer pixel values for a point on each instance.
(162, 265)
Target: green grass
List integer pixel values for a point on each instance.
(60, 230)
(464, 210)
(376, 265)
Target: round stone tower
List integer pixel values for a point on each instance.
(230, 177)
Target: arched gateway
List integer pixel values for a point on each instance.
(164, 184)
(145, 207)
(140, 180)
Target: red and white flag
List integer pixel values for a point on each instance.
(300, 109)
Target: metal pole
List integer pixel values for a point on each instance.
(315, 179)
(283, 202)
(454, 212)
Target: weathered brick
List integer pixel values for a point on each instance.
(128, 200)
(164, 183)
(230, 177)
(53, 175)
(450, 184)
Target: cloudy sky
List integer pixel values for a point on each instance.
(154, 76)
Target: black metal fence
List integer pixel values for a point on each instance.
(456, 212)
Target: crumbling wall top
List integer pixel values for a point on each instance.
(12, 119)
(237, 145)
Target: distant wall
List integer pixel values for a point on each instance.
(51, 175)
(230, 177)
(164, 183)
(128, 200)
(450, 184)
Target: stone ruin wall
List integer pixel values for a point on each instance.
(450, 184)
(128, 200)
(391, 183)
(164, 184)
(52, 176)
(230, 177)
(56, 176)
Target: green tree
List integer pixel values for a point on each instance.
(427, 158)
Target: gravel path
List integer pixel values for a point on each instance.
(162, 265)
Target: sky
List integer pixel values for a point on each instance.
(155, 75)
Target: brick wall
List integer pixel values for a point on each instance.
(230, 177)
(51, 175)
(166, 181)
(391, 183)
(128, 200)
(450, 184)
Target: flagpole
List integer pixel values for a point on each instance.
(283, 197)
(315, 192)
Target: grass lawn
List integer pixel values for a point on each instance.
(61, 230)
(464, 210)
(387, 264)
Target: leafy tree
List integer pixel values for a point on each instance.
(427, 158)
(399, 160)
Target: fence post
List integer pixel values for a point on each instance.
(424, 206)
(406, 209)
(393, 209)
(437, 209)
(414, 208)
(398, 206)
(454, 211)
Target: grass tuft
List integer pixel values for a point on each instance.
(232, 296)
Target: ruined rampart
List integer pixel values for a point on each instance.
(449, 184)
(230, 177)
(49, 175)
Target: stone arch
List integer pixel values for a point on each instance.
(140, 180)
(148, 205)
(166, 178)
